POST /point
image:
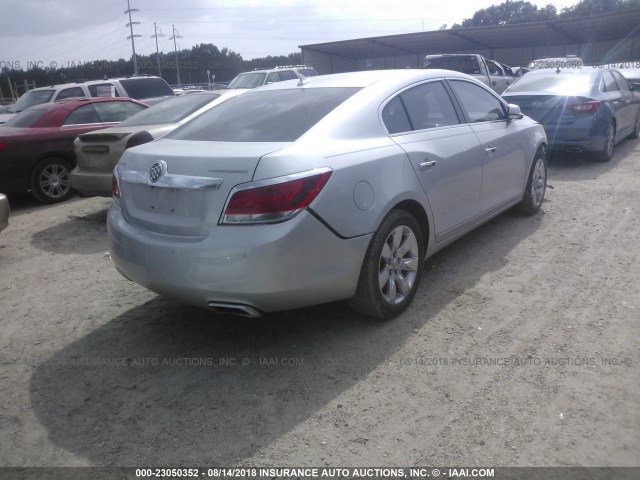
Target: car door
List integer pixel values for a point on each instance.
(630, 108)
(424, 122)
(503, 157)
(499, 81)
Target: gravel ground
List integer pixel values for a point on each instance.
(520, 349)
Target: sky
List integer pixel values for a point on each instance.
(59, 33)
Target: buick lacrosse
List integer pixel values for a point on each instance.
(321, 189)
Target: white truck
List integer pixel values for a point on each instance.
(495, 75)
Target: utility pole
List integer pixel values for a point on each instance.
(156, 35)
(132, 36)
(175, 49)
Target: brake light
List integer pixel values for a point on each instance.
(585, 107)
(275, 201)
(2, 145)
(115, 187)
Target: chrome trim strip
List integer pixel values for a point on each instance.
(167, 180)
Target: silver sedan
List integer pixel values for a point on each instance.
(322, 189)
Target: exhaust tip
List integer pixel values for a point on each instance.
(234, 309)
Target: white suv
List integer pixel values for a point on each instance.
(257, 78)
(149, 90)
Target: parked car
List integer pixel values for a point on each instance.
(150, 90)
(582, 110)
(98, 152)
(36, 145)
(299, 193)
(493, 74)
(4, 212)
(257, 78)
(570, 61)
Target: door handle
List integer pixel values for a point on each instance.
(427, 164)
(490, 150)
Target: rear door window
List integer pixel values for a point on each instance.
(103, 90)
(608, 83)
(141, 88)
(117, 111)
(83, 115)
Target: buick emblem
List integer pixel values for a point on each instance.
(156, 171)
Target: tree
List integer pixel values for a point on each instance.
(510, 12)
(594, 7)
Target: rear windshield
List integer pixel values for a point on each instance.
(25, 119)
(464, 63)
(248, 80)
(267, 116)
(574, 84)
(31, 98)
(308, 72)
(171, 111)
(141, 88)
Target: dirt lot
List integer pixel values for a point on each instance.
(521, 348)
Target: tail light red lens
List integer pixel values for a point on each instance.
(115, 187)
(585, 107)
(274, 202)
(2, 145)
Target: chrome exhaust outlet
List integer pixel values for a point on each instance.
(234, 309)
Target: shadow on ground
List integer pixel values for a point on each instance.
(83, 234)
(167, 384)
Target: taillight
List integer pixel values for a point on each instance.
(138, 138)
(584, 107)
(274, 200)
(2, 145)
(115, 187)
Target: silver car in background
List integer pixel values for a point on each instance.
(321, 189)
(98, 152)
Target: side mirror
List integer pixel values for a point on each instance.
(513, 112)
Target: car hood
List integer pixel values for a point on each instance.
(5, 117)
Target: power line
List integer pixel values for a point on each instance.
(156, 35)
(175, 49)
(132, 36)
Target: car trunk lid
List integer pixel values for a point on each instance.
(549, 109)
(194, 179)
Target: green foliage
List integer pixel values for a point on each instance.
(193, 63)
(512, 12)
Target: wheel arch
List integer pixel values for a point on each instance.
(417, 210)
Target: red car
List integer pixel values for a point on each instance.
(36, 146)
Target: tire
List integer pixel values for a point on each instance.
(536, 185)
(50, 180)
(606, 153)
(392, 267)
(636, 130)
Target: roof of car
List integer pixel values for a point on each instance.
(365, 78)
(72, 103)
(89, 82)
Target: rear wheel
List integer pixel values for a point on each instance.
(50, 181)
(606, 153)
(536, 185)
(391, 268)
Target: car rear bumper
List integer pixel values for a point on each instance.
(91, 184)
(589, 138)
(274, 267)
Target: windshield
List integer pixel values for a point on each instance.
(31, 98)
(267, 116)
(141, 88)
(170, 111)
(247, 80)
(570, 84)
(25, 119)
(460, 63)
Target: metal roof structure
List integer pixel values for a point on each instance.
(582, 32)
